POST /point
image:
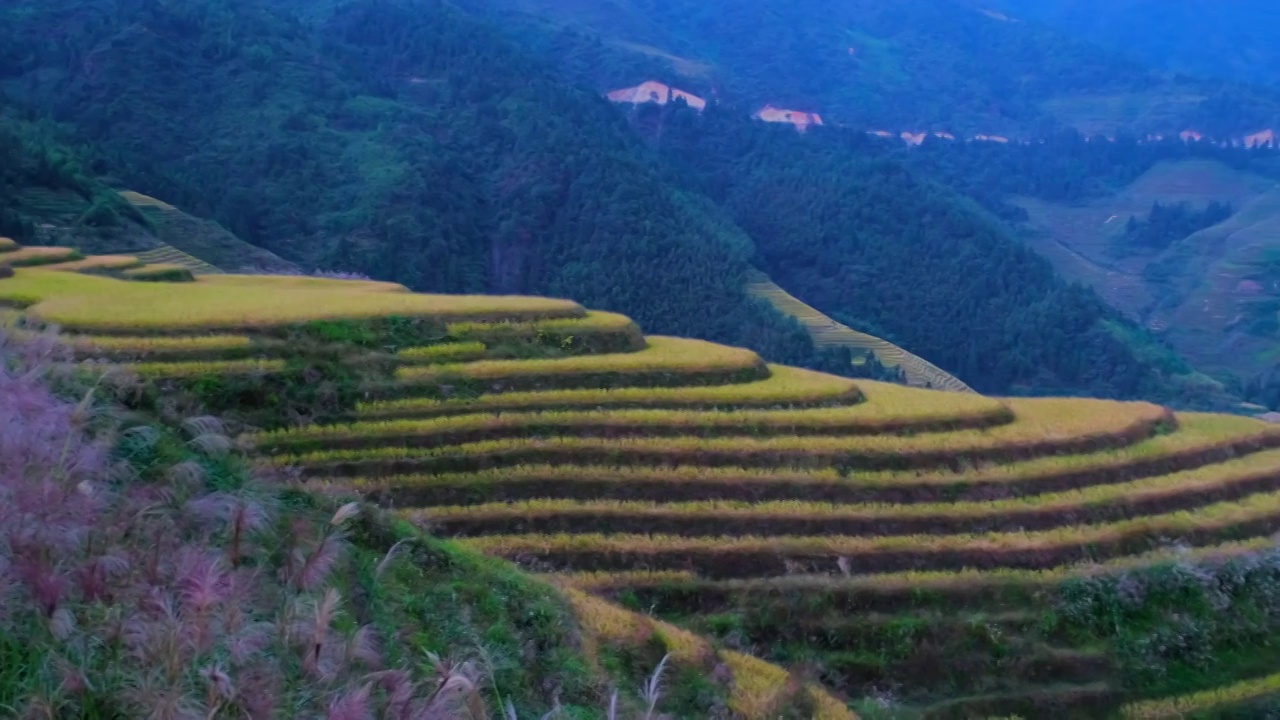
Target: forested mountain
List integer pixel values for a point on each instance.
(1177, 236)
(947, 65)
(1231, 40)
(398, 139)
(876, 245)
(411, 142)
(35, 155)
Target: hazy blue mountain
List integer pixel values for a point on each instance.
(908, 65)
(1235, 40)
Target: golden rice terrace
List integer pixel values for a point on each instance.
(877, 540)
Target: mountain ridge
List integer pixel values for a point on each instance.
(878, 65)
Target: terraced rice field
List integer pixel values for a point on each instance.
(826, 332)
(70, 260)
(31, 256)
(169, 255)
(796, 493)
(75, 302)
(758, 510)
(98, 263)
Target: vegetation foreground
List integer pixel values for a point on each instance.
(237, 514)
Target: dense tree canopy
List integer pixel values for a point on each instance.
(398, 139)
(408, 141)
(867, 240)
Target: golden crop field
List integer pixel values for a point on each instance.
(690, 481)
(592, 322)
(873, 416)
(303, 282)
(163, 347)
(93, 303)
(443, 353)
(30, 256)
(1050, 546)
(663, 355)
(160, 272)
(96, 263)
(785, 386)
(195, 369)
(1202, 442)
(1200, 486)
(1044, 427)
(1188, 705)
(911, 580)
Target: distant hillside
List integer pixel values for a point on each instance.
(1211, 292)
(927, 65)
(883, 247)
(1233, 40)
(916, 371)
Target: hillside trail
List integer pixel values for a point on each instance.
(828, 333)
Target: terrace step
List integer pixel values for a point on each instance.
(666, 362)
(1241, 700)
(932, 673)
(1200, 442)
(595, 333)
(756, 557)
(193, 369)
(785, 387)
(1234, 480)
(159, 272)
(178, 348)
(270, 305)
(1061, 702)
(33, 255)
(871, 632)
(873, 417)
(1043, 428)
(97, 263)
(168, 254)
(684, 593)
